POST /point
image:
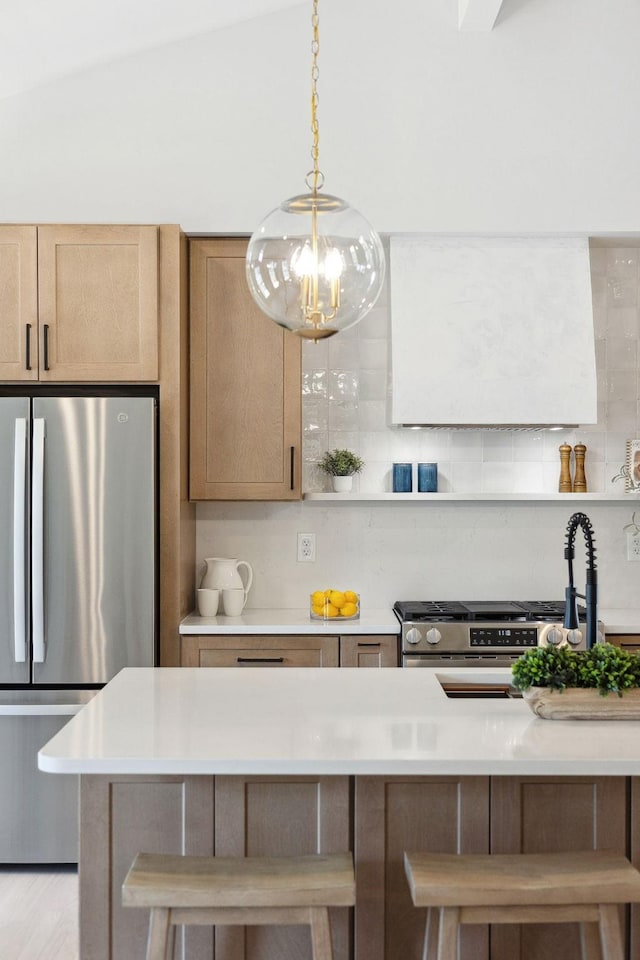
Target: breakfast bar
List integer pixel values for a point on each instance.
(259, 762)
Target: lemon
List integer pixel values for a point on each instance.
(350, 596)
(317, 598)
(318, 609)
(337, 599)
(331, 611)
(328, 592)
(349, 610)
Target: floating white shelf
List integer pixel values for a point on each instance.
(438, 497)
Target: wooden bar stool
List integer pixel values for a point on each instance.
(237, 890)
(523, 888)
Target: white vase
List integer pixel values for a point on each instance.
(342, 484)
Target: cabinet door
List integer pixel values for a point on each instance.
(123, 816)
(394, 814)
(18, 303)
(626, 641)
(245, 431)
(98, 303)
(545, 815)
(361, 651)
(260, 651)
(281, 816)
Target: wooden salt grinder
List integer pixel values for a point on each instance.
(564, 486)
(580, 480)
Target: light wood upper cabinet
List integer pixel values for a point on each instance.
(79, 303)
(246, 419)
(18, 303)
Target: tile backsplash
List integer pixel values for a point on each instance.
(346, 390)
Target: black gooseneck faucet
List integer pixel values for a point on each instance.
(590, 595)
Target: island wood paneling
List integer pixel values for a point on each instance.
(544, 815)
(123, 816)
(281, 816)
(437, 814)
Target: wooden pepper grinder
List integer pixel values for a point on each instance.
(564, 486)
(580, 480)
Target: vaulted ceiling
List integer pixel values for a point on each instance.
(42, 40)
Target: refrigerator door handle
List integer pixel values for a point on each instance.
(19, 504)
(37, 541)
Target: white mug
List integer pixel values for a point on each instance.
(208, 602)
(233, 601)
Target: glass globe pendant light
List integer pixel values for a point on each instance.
(314, 264)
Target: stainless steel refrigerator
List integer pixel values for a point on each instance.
(77, 589)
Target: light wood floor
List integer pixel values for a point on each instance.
(38, 913)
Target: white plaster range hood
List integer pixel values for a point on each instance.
(491, 332)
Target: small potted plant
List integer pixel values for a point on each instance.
(560, 683)
(341, 465)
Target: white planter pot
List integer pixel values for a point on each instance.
(342, 484)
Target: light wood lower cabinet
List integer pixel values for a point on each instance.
(368, 651)
(259, 651)
(627, 641)
(281, 650)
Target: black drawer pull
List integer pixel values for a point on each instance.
(28, 350)
(259, 659)
(368, 644)
(292, 468)
(46, 346)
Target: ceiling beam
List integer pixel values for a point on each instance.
(478, 14)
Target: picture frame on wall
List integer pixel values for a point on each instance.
(632, 464)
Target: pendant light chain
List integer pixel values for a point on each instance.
(315, 179)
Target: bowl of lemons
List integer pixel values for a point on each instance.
(334, 605)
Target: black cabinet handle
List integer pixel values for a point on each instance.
(259, 659)
(27, 355)
(292, 463)
(368, 644)
(46, 345)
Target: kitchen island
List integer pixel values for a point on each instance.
(258, 762)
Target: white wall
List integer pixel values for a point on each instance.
(531, 127)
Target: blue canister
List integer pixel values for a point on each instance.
(402, 482)
(427, 478)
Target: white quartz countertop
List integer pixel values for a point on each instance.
(291, 621)
(383, 621)
(325, 721)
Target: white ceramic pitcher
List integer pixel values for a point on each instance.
(222, 573)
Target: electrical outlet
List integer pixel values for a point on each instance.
(306, 547)
(633, 546)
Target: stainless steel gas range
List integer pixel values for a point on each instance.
(481, 633)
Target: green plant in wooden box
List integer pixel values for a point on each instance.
(605, 668)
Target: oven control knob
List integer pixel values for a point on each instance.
(574, 637)
(555, 636)
(413, 635)
(433, 636)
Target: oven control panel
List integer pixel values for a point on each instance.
(503, 636)
(486, 639)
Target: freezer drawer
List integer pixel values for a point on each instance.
(38, 811)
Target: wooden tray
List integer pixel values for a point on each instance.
(578, 704)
